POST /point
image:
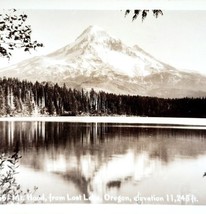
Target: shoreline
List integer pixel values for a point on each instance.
(147, 121)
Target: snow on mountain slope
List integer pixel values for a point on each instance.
(94, 48)
(97, 60)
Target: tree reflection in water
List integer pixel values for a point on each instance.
(101, 158)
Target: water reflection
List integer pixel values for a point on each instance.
(99, 159)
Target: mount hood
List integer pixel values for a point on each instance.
(97, 60)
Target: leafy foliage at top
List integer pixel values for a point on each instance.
(143, 13)
(15, 34)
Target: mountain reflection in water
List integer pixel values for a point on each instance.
(116, 159)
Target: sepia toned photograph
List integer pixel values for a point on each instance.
(102, 106)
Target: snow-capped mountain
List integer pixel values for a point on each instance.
(97, 60)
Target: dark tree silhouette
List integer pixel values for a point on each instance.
(25, 98)
(143, 13)
(14, 33)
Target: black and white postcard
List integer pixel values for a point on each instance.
(102, 106)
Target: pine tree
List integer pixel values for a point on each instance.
(2, 101)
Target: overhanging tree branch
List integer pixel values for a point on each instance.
(143, 13)
(15, 34)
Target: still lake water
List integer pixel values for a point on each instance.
(108, 163)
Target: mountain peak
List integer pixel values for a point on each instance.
(97, 60)
(92, 29)
(92, 33)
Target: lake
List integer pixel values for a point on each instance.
(108, 162)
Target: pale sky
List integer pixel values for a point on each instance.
(176, 38)
(104, 4)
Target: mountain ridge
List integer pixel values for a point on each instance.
(97, 60)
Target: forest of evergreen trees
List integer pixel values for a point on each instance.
(26, 98)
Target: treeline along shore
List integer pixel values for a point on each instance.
(24, 98)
